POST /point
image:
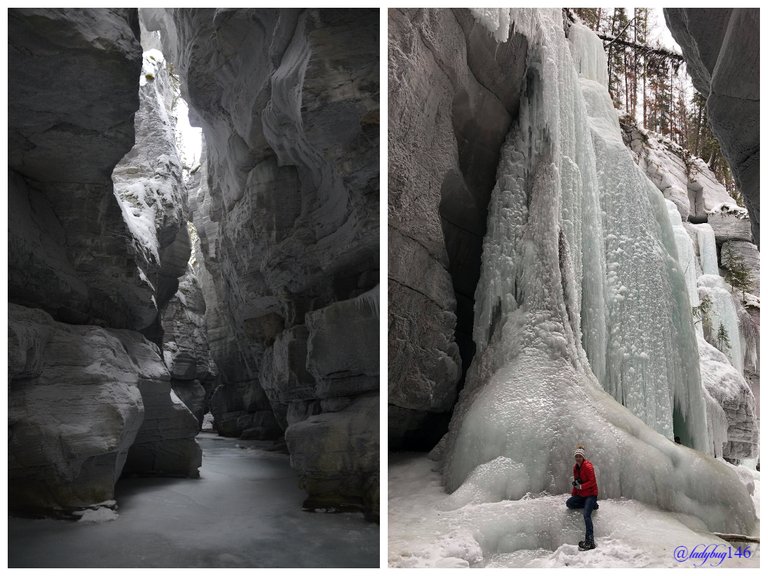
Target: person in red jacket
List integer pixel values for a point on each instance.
(584, 494)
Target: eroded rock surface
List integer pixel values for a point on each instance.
(286, 207)
(74, 411)
(88, 391)
(70, 114)
(165, 444)
(150, 189)
(722, 49)
(449, 114)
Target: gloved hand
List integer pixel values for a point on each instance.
(577, 484)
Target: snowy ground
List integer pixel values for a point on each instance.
(427, 529)
(244, 511)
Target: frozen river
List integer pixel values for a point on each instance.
(244, 511)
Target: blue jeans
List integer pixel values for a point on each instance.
(588, 503)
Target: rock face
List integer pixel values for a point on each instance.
(685, 180)
(449, 114)
(730, 223)
(74, 411)
(95, 264)
(286, 207)
(71, 111)
(185, 345)
(149, 187)
(722, 49)
(165, 444)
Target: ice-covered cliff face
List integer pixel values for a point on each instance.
(286, 207)
(453, 91)
(722, 49)
(729, 359)
(571, 306)
(686, 181)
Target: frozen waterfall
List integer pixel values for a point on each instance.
(580, 294)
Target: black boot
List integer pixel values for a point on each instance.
(587, 544)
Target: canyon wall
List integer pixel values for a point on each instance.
(718, 45)
(286, 208)
(88, 392)
(453, 93)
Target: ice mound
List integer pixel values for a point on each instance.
(532, 532)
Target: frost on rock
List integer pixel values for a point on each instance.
(581, 293)
(682, 178)
(730, 390)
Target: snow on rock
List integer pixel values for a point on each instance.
(751, 479)
(730, 222)
(427, 529)
(569, 304)
(97, 516)
(74, 412)
(682, 178)
(729, 388)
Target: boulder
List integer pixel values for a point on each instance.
(74, 411)
(337, 455)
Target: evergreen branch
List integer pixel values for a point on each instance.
(663, 52)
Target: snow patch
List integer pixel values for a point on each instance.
(425, 530)
(97, 516)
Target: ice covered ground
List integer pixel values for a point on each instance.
(427, 529)
(244, 511)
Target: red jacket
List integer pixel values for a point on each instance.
(586, 475)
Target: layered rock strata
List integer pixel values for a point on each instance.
(88, 391)
(286, 207)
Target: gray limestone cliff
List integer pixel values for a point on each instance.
(721, 48)
(89, 393)
(286, 207)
